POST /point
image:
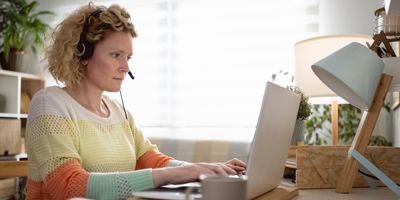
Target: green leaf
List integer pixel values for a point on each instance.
(22, 27)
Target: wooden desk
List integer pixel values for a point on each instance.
(355, 194)
(328, 194)
(279, 193)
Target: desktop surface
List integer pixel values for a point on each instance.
(286, 192)
(355, 194)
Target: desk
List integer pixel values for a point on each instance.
(330, 194)
(279, 193)
(355, 194)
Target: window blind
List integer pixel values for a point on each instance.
(201, 66)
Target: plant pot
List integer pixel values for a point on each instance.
(3, 62)
(2, 103)
(298, 132)
(15, 61)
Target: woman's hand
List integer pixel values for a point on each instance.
(237, 165)
(191, 172)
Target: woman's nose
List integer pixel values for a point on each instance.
(124, 66)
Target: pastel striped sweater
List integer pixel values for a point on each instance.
(72, 152)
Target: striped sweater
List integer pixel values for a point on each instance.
(73, 152)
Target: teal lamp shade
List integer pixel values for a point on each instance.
(352, 72)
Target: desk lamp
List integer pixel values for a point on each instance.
(355, 73)
(310, 51)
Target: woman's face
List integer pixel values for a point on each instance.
(107, 68)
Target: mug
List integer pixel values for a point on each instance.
(223, 187)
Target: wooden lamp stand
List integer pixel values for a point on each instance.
(360, 143)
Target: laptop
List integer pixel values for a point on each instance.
(269, 148)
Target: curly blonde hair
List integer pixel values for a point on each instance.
(62, 55)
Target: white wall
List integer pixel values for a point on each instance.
(347, 16)
(357, 17)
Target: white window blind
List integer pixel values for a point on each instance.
(200, 66)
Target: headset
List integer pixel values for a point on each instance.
(85, 48)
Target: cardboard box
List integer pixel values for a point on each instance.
(10, 136)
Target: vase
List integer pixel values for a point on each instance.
(16, 60)
(298, 132)
(2, 103)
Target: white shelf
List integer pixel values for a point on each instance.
(9, 115)
(20, 74)
(12, 85)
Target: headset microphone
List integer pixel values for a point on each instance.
(131, 75)
(122, 100)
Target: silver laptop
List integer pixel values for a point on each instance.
(269, 149)
(271, 140)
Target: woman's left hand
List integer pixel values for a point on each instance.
(237, 165)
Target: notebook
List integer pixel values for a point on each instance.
(269, 148)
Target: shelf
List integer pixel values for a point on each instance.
(18, 89)
(20, 74)
(9, 115)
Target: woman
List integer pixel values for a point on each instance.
(80, 143)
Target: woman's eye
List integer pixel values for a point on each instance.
(115, 55)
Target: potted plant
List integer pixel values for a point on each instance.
(303, 112)
(21, 28)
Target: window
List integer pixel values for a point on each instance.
(200, 66)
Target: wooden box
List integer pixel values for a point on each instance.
(320, 166)
(10, 136)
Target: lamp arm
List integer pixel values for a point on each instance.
(363, 135)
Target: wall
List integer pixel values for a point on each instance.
(347, 16)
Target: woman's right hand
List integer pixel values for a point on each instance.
(189, 173)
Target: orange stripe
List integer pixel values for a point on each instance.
(36, 190)
(152, 159)
(68, 180)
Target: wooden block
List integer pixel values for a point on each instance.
(279, 193)
(292, 152)
(7, 187)
(10, 136)
(320, 166)
(31, 86)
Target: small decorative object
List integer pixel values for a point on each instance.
(303, 113)
(20, 28)
(2, 103)
(25, 102)
(388, 23)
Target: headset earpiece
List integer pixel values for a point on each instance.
(84, 48)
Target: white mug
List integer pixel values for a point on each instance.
(223, 187)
